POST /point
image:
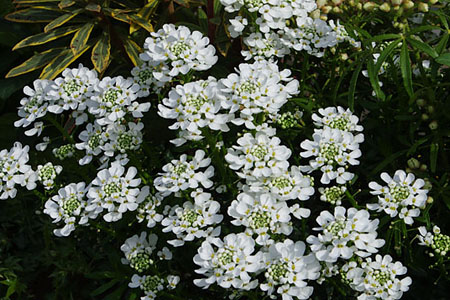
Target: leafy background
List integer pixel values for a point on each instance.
(36, 265)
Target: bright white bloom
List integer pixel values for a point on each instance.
(144, 76)
(14, 170)
(332, 194)
(122, 138)
(262, 215)
(113, 98)
(69, 206)
(92, 140)
(47, 173)
(36, 130)
(228, 262)
(42, 145)
(237, 26)
(172, 281)
(194, 106)
(193, 220)
(147, 208)
(264, 46)
(115, 191)
(439, 242)
(72, 90)
(138, 251)
(333, 151)
(344, 235)
(149, 284)
(258, 156)
(35, 105)
(337, 118)
(288, 269)
(255, 88)
(180, 49)
(403, 195)
(378, 279)
(179, 175)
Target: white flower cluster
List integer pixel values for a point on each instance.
(147, 209)
(344, 234)
(15, 171)
(403, 196)
(334, 147)
(193, 220)
(285, 25)
(47, 173)
(377, 279)
(439, 242)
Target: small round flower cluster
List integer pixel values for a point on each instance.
(440, 243)
(345, 234)
(403, 196)
(138, 251)
(332, 194)
(14, 170)
(47, 173)
(147, 209)
(377, 279)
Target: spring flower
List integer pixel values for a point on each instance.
(138, 250)
(35, 105)
(337, 118)
(47, 173)
(149, 284)
(439, 242)
(146, 210)
(332, 194)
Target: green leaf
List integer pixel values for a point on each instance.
(101, 53)
(383, 37)
(66, 3)
(32, 15)
(145, 13)
(133, 50)
(422, 46)
(202, 20)
(61, 62)
(35, 62)
(385, 54)
(118, 14)
(93, 7)
(217, 7)
(405, 66)
(434, 149)
(33, 1)
(442, 43)
(81, 37)
(373, 78)
(42, 38)
(444, 59)
(352, 87)
(141, 22)
(103, 288)
(61, 20)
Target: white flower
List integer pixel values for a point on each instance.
(64, 151)
(36, 104)
(289, 269)
(69, 206)
(47, 173)
(115, 191)
(122, 138)
(14, 170)
(179, 175)
(147, 208)
(228, 262)
(337, 118)
(344, 235)
(144, 76)
(258, 156)
(36, 130)
(92, 140)
(332, 194)
(193, 220)
(262, 215)
(237, 26)
(403, 195)
(180, 49)
(138, 251)
(333, 151)
(149, 284)
(172, 281)
(439, 242)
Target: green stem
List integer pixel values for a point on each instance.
(59, 127)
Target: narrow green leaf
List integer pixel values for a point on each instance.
(373, 78)
(385, 54)
(35, 62)
(217, 7)
(444, 59)
(442, 17)
(61, 20)
(141, 22)
(33, 1)
(434, 149)
(81, 37)
(103, 288)
(352, 87)
(383, 37)
(145, 13)
(422, 46)
(61, 62)
(66, 3)
(423, 28)
(42, 38)
(32, 15)
(405, 66)
(202, 20)
(118, 14)
(133, 50)
(442, 45)
(101, 53)
(93, 7)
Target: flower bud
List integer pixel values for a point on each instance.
(433, 1)
(408, 4)
(396, 2)
(433, 125)
(420, 102)
(369, 6)
(425, 117)
(423, 167)
(430, 109)
(423, 7)
(385, 7)
(413, 163)
(430, 200)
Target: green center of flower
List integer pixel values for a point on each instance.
(151, 283)
(47, 172)
(333, 194)
(111, 95)
(277, 271)
(71, 87)
(189, 216)
(94, 141)
(195, 102)
(441, 243)
(399, 193)
(178, 48)
(32, 104)
(225, 257)
(64, 151)
(340, 123)
(259, 219)
(141, 262)
(335, 227)
(71, 205)
(282, 183)
(259, 152)
(381, 277)
(329, 151)
(180, 168)
(253, 3)
(248, 87)
(287, 120)
(125, 141)
(111, 188)
(144, 75)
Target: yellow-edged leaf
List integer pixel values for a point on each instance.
(42, 38)
(61, 20)
(81, 37)
(141, 22)
(61, 62)
(118, 14)
(33, 1)
(35, 62)
(66, 3)
(33, 15)
(145, 13)
(93, 7)
(133, 51)
(101, 53)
